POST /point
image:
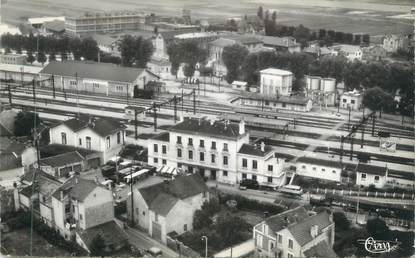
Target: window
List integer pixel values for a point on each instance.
(63, 135)
(352, 101)
(202, 156)
(80, 216)
(225, 160)
(118, 137)
(314, 168)
(344, 100)
(156, 148)
(279, 238)
(190, 142)
(72, 82)
(156, 160)
(290, 243)
(270, 168)
(164, 149)
(244, 163)
(144, 213)
(225, 173)
(243, 176)
(190, 154)
(290, 255)
(363, 177)
(303, 166)
(213, 158)
(254, 164)
(323, 170)
(179, 153)
(253, 177)
(179, 140)
(164, 162)
(269, 179)
(225, 147)
(108, 142)
(202, 144)
(185, 227)
(88, 142)
(119, 88)
(213, 146)
(156, 217)
(95, 85)
(376, 178)
(271, 245)
(333, 171)
(80, 141)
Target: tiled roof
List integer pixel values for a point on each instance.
(401, 174)
(301, 230)
(56, 149)
(320, 162)
(322, 249)
(163, 196)
(92, 70)
(63, 159)
(285, 156)
(282, 220)
(102, 126)
(242, 39)
(8, 145)
(201, 126)
(165, 137)
(369, 169)
(55, 25)
(221, 42)
(9, 161)
(77, 187)
(110, 232)
(7, 118)
(278, 41)
(275, 71)
(254, 150)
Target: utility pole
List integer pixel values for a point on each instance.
(348, 124)
(77, 93)
(373, 123)
(135, 123)
(363, 135)
(175, 108)
(132, 198)
(351, 146)
(127, 94)
(155, 116)
(34, 92)
(10, 95)
(182, 100)
(53, 86)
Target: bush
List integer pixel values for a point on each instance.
(251, 205)
(201, 220)
(341, 222)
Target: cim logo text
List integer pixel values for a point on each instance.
(379, 246)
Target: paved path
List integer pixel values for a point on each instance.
(143, 241)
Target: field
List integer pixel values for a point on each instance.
(373, 17)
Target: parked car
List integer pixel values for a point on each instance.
(154, 251)
(249, 183)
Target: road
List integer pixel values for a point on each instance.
(143, 241)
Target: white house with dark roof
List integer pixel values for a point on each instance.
(295, 233)
(367, 175)
(283, 44)
(99, 78)
(80, 204)
(104, 135)
(259, 162)
(294, 103)
(168, 206)
(351, 52)
(62, 165)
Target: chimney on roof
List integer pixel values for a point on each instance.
(61, 192)
(76, 180)
(314, 231)
(242, 126)
(262, 146)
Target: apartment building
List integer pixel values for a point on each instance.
(90, 23)
(276, 82)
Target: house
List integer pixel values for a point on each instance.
(80, 204)
(216, 49)
(281, 44)
(14, 59)
(37, 22)
(317, 51)
(318, 168)
(97, 78)
(276, 82)
(104, 135)
(295, 233)
(239, 85)
(367, 175)
(63, 165)
(7, 118)
(351, 99)
(26, 154)
(374, 53)
(53, 28)
(351, 52)
(401, 179)
(108, 43)
(10, 169)
(168, 206)
(259, 163)
(394, 42)
(295, 103)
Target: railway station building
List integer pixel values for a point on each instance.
(218, 150)
(96, 78)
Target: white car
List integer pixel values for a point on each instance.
(154, 251)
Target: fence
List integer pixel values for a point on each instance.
(403, 196)
(179, 247)
(242, 250)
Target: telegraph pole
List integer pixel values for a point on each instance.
(348, 124)
(53, 86)
(363, 135)
(34, 93)
(373, 124)
(135, 123)
(155, 116)
(175, 108)
(10, 95)
(194, 101)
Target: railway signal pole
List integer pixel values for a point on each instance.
(34, 91)
(135, 123)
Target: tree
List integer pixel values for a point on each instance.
(135, 51)
(260, 13)
(127, 50)
(89, 48)
(366, 39)
(232, 57)
(30, 57)
(189, 70)
(75, 46)
(376, 99)
(144, 52)
(274, 17)
(211, 207)
(302, 35)
(52, 56)
(377, 228)
(97, 246)
(25, 122)
(340, 221)
(41, 57)
(231, 229)
(201, 220)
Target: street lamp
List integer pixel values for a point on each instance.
(206, 245)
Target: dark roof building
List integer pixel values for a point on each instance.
(164, 137)
(282, 220)
(102, 126)
(255, 150)
(320, 162)
(62, 159)
(373, 170)
(77, 188)
(9, 161)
